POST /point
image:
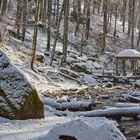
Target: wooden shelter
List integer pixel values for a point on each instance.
(131, 55)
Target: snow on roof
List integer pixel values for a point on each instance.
(128, 53)
(87, 129)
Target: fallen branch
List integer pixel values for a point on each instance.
(133, 99)
(122, 105)
(116, 113)
(71, 106)
(69, 77)
(77, 106)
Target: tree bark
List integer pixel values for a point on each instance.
(57, 33)
(116, 16)
(49, 24)
(3, 8)
(124, 13)
(103, 46)
(65, 32)
(35, 34)
(18, 17)
(88, 20)
(133, 23)
(24, 19)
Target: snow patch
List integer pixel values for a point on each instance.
(129, 53)
(86, 129)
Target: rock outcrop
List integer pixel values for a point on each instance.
(18, 98)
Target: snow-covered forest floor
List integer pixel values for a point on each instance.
(67, 83)
(20, 55)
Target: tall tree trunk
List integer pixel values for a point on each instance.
(110, 13)
(124, 13)
(3, 8)
(57, 12)
(78, 11)
(18, 17)
(0, 3)
(40, 10)
(44, 14)
(24, 19)
(133, 23)
(9, 5)
(103, 46)
(116, 16)
(35, 34)
(57, 33)
(130, 17)
(65, 32)
(54, 9)
(49, 24)
(138, 26)
(88, 20)
(138, 40)
(99, 5)
(93, 7)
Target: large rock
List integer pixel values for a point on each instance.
(85, 129)
(137, 84)
(79, 68)
(18, 98)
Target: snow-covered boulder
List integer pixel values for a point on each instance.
(85, 129)
(18, 98)
(137, 84)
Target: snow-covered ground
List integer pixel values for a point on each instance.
(48, 79)
(29, 129)
(51, 128)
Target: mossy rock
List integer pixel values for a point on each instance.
(79, 68)
(18, 98)
(40, 58)
(137, 84)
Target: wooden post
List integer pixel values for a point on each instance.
(124, 65)
(135, 66)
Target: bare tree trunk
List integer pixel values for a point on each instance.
(116, 15)
(133, 23)
(105, 2)
(18, 17)
(82, 39)
(35, 34)
(49, 24)
(88, 20)
(124, 13)
(65, 33)
(24, 19)
(0, 3)
(3, 8)
(78, 14)
(44, 14)
(54, 9)
(57, 12)
(57, 33)
(40, 10)
(138, 40)
(9, 5)
(130, 17)
(99, 5)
